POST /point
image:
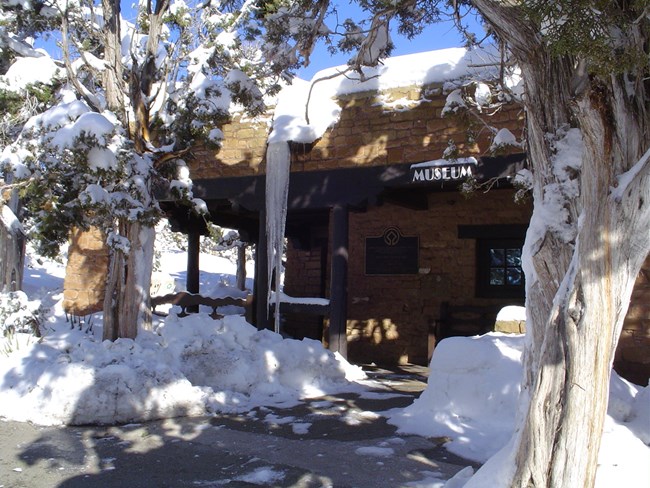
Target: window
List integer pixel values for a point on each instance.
(498, 259)
(499, 272)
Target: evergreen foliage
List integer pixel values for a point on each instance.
(602, 32)
(19, 314)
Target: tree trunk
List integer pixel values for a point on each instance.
(12, 251)
(581, 266)
(114, 75)
(12, 243)
(127, 303)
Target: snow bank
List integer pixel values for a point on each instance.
(471, 398)
(190, 367)
(471, 395)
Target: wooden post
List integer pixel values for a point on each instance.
(339, 281)
(241, 267)
(260, 305)
(192, 279)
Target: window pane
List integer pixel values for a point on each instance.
(497, 257)
(514, 276)
(497, 276)
(513, 257)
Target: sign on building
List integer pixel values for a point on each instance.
(443, 170)
(392, 253)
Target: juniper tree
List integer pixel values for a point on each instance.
(129, 100)
(585, 67)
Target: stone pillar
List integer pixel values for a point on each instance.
(86, 272)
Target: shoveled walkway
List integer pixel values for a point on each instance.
(333, 441)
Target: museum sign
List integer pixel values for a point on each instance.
(443, 170)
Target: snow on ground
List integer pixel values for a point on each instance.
(196, 366)
(262, 476)
(471, 398)
(184, 367)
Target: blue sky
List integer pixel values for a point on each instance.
(436, 36)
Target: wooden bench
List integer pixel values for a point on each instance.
(465, 320)
(189, 303)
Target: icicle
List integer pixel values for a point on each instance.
(278, 158)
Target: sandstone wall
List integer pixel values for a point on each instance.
(242, 151)
(390, 317)
(632, 359)
(402, 125)
(305, 280)
(85, 274)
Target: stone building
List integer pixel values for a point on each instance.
(377, 223)
(376, 185)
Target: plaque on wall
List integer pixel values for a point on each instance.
(392, 253)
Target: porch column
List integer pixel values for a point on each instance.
(192, 278)
(339, 281)
(193, 246)
(260, 306)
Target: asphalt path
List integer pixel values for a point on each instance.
(333, 441)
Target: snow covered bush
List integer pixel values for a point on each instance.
(19, 314)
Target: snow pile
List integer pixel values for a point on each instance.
(414, 70)
(503, 140)
(512, 313)
(302, 117)
(471, 398)
(232, 355)
(552, 214)
(189, 367)
(471, 395)
(18, 314)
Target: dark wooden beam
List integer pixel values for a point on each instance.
(260, 305)
(192, 278)
(354, 187)
(407, 198)
(495, 231)
(339, 281)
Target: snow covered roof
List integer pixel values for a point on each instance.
(306, 109)
(413, 70)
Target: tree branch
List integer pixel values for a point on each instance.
(627, 178)
(324, 78)
(90, 99)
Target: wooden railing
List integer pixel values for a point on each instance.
(190, 302)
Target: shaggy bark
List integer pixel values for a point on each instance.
(127, 302)
(114, 73)
(578, 287)
(12, 250)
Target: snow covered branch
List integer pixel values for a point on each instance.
(626, 179)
